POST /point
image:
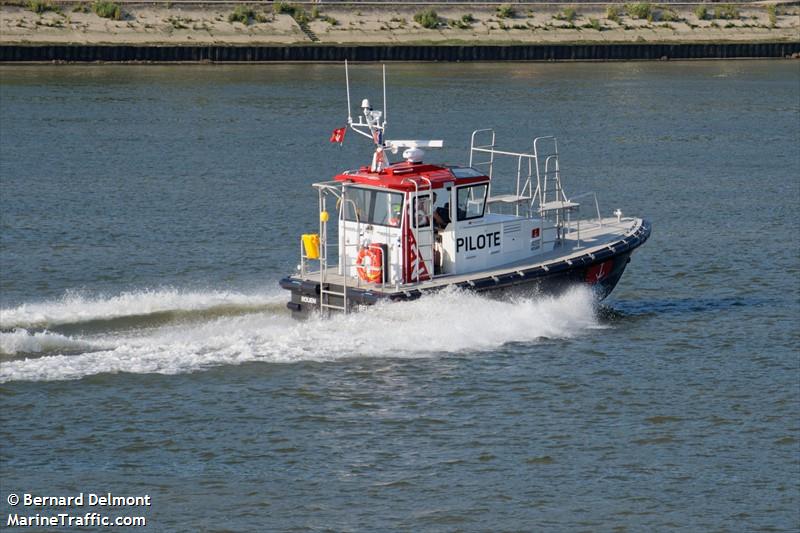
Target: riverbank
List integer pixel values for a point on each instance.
(323, 53)
(454, 25)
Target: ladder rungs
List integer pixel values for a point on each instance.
(332, 292)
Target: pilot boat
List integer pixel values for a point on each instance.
(394, 231)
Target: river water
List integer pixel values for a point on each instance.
(149, 211)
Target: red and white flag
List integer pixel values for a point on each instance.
(338, 135)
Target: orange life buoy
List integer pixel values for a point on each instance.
(369, 263)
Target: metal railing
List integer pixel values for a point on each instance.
(573, 226)
(523, 190)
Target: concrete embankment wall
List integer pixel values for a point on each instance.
(528, 52)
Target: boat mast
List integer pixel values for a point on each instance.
(371, 125)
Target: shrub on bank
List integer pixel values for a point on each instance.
(726, 12)
(668, 15)
(283, 8)
(464, 23)
(568, 13)
(301, 16)
(613, 13)
(505, 11)
(772, 13)
(107, 10)
(297, 13)
(701, 12)
(42, 6)
(639, 11)
(427, 18)
(242, 14)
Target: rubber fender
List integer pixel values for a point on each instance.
(310, 288)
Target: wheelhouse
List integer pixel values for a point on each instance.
(410, 222)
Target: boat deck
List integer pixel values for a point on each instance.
(593, 238)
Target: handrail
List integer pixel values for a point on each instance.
(524, 189)
(596, 203)
(482, 148)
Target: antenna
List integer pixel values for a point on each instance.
(347, 81)
(384, 96)
(370, 123)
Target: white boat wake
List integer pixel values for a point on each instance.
(76, 308)
(246, 328)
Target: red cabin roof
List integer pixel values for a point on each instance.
(402, 176)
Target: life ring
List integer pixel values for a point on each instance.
(369, 263)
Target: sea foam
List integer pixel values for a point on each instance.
(444, 323)
(41, 342)
(76, 308)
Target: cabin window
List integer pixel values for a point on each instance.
(466, 172)
(471, 201)
(423, 210)
(369, 206)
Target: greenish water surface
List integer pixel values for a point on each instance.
(147, 213)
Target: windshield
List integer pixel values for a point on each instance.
(369, 206)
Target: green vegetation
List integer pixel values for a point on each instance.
(107, 9)
(42, 6)
(639, 11)
(296, 12)
(594, 24)
(330, 20)
(177, 23)
(668, 15)
(301, 16)
(701, 12)
(772, 13)
(568, 13)
(613, 13)
(242, 14)
(505, 11)
(427, 18)
(283, 8)
(726, 12)
(464, 23)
